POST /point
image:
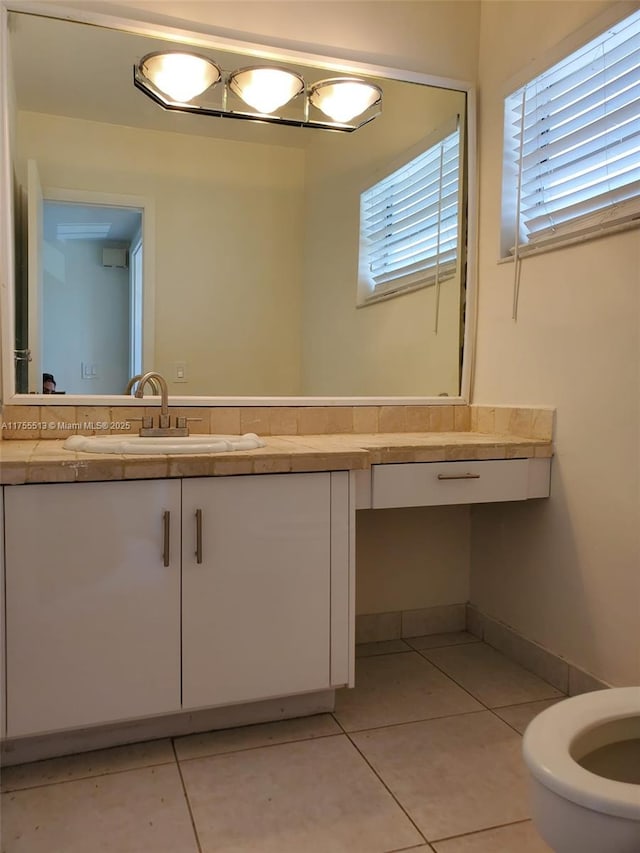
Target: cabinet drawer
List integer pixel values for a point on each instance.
(440, 483)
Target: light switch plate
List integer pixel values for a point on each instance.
(180, 371)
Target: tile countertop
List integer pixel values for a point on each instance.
(47, 462)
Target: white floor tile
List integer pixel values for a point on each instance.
(490, 676)
(87, 764)
(398, 689)
(313, 796)
(453, 775)
(137, 811)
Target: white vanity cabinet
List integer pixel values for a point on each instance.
(456, 482)
(133, 599)
(93, 614)
(262, 556)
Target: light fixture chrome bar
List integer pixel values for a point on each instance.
(227, 93)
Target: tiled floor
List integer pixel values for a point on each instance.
(423, 755)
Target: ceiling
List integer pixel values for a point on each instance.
(86, 71)
(100, 222)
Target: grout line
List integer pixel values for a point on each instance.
(411, 722)
(484, 829)
(384, 784)
(457, 683)
(409, 849)
(540, 699)
(410, 648)
(531, 701)
(466, 713)
(382, 654)
(444, 646)
(78, 778)
(259, 745)
(186, 797)
(484, 705)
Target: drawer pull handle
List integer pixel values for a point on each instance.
(198, 536)
(166, 546)
(458, 476)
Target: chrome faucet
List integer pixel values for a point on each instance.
(155, 385)
(164, 428)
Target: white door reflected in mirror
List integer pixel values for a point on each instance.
(82, 278)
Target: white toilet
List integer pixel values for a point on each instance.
(583, 755)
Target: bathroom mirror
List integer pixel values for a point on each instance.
(247, 234)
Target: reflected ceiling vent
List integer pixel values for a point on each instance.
(82, 230)
(118, 258)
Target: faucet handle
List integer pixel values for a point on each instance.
(182, 422)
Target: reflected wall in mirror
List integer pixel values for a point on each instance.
(251, 232)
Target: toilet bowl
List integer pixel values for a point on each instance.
(583, 756)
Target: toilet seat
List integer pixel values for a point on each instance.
(548, 739)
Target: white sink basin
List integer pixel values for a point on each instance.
(135, 444)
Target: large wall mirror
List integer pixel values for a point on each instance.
(227, 255)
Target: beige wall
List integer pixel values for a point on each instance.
(564, 572)
(228, 238)
(404, 355)
(433, 36)
(408, 559)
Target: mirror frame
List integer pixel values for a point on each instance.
(207, 38)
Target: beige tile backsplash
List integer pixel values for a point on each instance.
(34, 422)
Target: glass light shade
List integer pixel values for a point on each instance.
(344, 98)
(180, 76)
(266, 89)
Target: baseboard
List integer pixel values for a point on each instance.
(376, 627)
(395, 625)
(567, 677)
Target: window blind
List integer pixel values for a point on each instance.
(574, 139)
(409, 220)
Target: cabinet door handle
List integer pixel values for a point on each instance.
(198, 536)
(166, 545)
(458, 476)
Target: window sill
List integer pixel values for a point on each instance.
(393, 294)
(575, 240)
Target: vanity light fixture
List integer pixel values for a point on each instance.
(266, 89)
(180, 76)
(186, 82)
(344, 98)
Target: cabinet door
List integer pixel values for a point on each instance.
(93, 615)
(256, 609)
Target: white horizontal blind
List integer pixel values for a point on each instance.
(573, 135)
(409, 220)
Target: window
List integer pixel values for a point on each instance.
(572, 145)
(409, 223)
